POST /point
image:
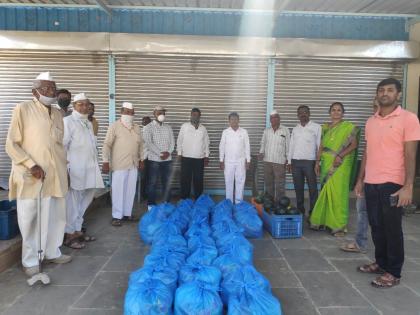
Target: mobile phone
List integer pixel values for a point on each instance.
(393, 201)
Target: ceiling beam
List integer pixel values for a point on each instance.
(104, 6)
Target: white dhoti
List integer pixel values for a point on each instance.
(123, 192)
(77, 201)
(53, 221)
(235, 174)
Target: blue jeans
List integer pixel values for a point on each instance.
(156, 170)
(362, 223)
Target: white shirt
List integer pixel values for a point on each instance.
(234, 145)
(305, 141)
(82, 156)
(275, 145)
(193, 143)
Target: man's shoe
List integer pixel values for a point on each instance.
(63, 259)
(30, 271)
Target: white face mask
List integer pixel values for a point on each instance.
(78, 115)
(161, 118)
(48, 101)
(127, 120)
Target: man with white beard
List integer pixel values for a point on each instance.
(83, 169)
(122, 153)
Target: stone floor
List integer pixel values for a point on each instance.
(309, 275)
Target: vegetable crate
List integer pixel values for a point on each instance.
(283, 226)
(8, 220)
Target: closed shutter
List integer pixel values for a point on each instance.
(75, 72)
(216, 85)
(319, 83)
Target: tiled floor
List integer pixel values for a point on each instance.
(309, 275)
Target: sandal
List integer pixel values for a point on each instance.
(116, 222)
(352, 248)
(74, 243)
(130, 218)
(371, 268)
(385, 281)
(338, 234)
(87, 238)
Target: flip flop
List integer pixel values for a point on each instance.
(372, 268)
(352, 248)
(116, 222)
(385, 281)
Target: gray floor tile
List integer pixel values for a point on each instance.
(336, 291)
(98, 248)
(127, 259)
(277, 264)
(92, 311)
(282, 279)
(12, 286)
(107, 291)
(265, 249)
(306, 260)
(349, 270)
(294, 301)
(293, 243)
(412, 249)
(412, 280)
(82, 270)
(46, 300)
(348, 311)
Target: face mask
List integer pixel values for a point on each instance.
(76, 114)
(161, 118)
(195, 121)
(45, 99)
(63, 102)
(127, 120)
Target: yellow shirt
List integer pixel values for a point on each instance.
(36, 138)
(124, 146)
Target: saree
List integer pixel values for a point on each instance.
(332, 206)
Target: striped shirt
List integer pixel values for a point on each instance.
(275, 145)
(158, 138)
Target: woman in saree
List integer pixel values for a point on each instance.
(336, 167)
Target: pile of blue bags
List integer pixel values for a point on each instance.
(200, 262)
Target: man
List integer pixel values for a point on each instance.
(359, 245)
(145, 174)
(274, 148)
(122, 153)
(92, 119)
(390, 155)
(63, 101)
(160, 143)
(83, 169)
(235, 158)
(304, 145)
(193, 150)
(35, 146)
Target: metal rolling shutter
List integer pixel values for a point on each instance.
(216, 85)
(319, 83)
(75, 72)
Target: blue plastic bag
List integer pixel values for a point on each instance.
(204, 201)
(237, 246)
(176, 241)
(180, 219)
(198, 230)
(237, 307)
(197, 272)
(148, 225)
(151, 297)
(196, 241)
(197, 298)
(227, 264)
(167, 227)
(168, 260)
(168, 276)
(246, 216)
(254, 301)
(204, 254)
(225, 227)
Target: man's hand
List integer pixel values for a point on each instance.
(222, 165)
(37, 172)
(260, 156)
(317, 169)
(141, 165)
(405, 196)
(358, 188)
(105, 167)
(247, 165)
(164, 155)
(288, 168)
(206, 161)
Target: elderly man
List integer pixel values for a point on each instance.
(83, 169)
(122, 152)
(160, 143)
(273, 150)
(63, 101)
(35, 146)
(193, 150)
(235, 158)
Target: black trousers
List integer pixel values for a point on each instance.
(386, 225)
(191, 170)
(144, 179)
(302, 169)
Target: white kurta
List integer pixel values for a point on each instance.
(83, 169)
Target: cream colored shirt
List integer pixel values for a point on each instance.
(36, 138)
(123, 147)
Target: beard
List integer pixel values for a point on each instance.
(387, 101)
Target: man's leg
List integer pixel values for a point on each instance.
(362, 223)
(144, 176)
(299, 183)
(72, 205)
(279, 171)
(240, 176)
(118, 180)
(130, 192)
(56, 209)
(86, 198)
(229, 179)
(198, 176)
(186, 176)
(166, 178)
(376, 221)
(309, 172)
(269, 178)
(152, 182)
(392, 218)
(27, 216)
